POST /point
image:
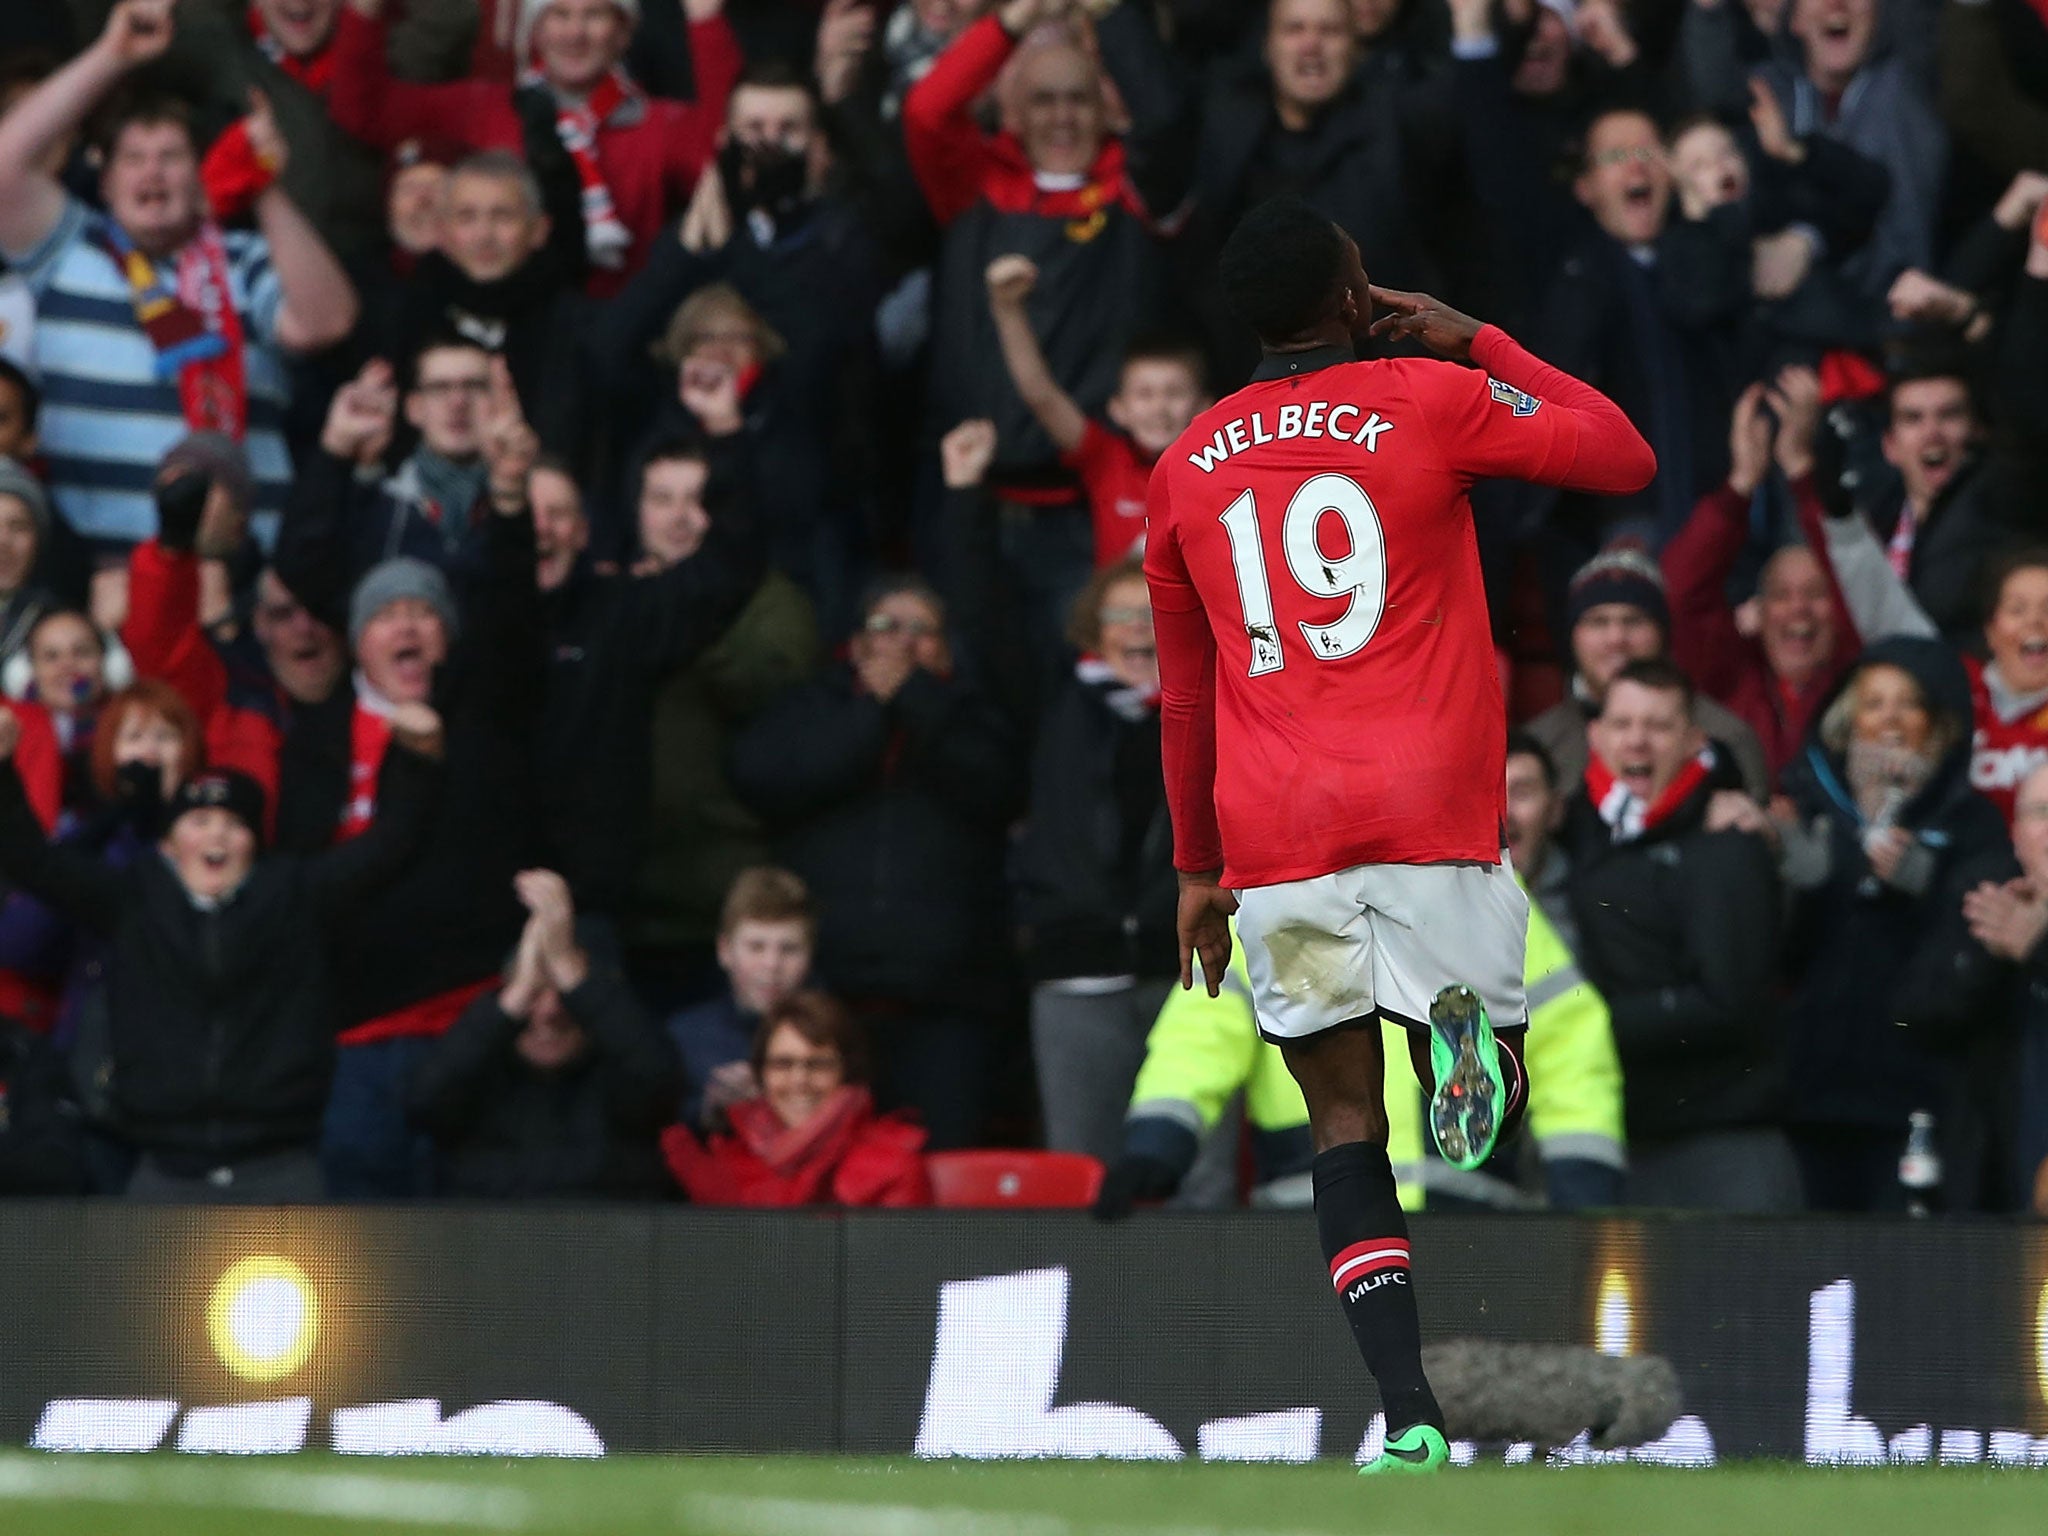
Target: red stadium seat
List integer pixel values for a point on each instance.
(1014, 1179)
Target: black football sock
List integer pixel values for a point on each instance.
(1508, 1045)
(1365, 1238)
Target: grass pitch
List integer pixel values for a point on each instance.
(174, 1495)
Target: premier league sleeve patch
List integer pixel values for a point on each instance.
(1514, 399)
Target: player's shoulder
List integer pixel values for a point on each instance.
(1431, 377)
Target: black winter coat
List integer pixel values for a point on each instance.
(451, 918)
(894, 813)
(1678, 928)
(509, 1131)
(1886, 983)
(222, 1022)
(1096, 890)
(612, 638)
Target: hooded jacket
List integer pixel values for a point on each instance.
(1885, 979)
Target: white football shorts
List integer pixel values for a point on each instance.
(1387, 938)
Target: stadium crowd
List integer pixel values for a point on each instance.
(572, 622)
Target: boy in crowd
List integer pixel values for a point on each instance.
(220, 992)
(1159, 391)
(766, 936)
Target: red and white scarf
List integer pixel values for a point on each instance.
(214, 391)
(191, 324)
(369, 738)
(314, 71)
(576, 125)
(1627, 814)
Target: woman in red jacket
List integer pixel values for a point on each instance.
(812, 1137)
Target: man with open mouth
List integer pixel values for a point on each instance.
(157, 318)
(1678, 927)
(406, 968)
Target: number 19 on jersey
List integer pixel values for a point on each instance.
(1359, 575)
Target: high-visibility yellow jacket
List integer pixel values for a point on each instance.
(1202, 1051)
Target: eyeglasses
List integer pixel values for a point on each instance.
(1640, 155)
(821, 1064)
(437, 388)
(890, 624)
(1131, 615)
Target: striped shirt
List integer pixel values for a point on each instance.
(107, 419)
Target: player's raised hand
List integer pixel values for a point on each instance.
(1203, 923)
(1444, 330)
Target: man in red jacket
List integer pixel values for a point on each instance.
(632, 157)
(1777, 676)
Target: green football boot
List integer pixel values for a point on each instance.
(1419, 1448)
(1465, 1111)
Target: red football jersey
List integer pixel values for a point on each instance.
(1329, 693)
(1115, 477)
(2003, 752)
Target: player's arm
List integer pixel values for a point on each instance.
(1010, 281)
(1187, 747)
(1561, 432)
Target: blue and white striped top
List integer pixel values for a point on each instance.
(107, 420)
